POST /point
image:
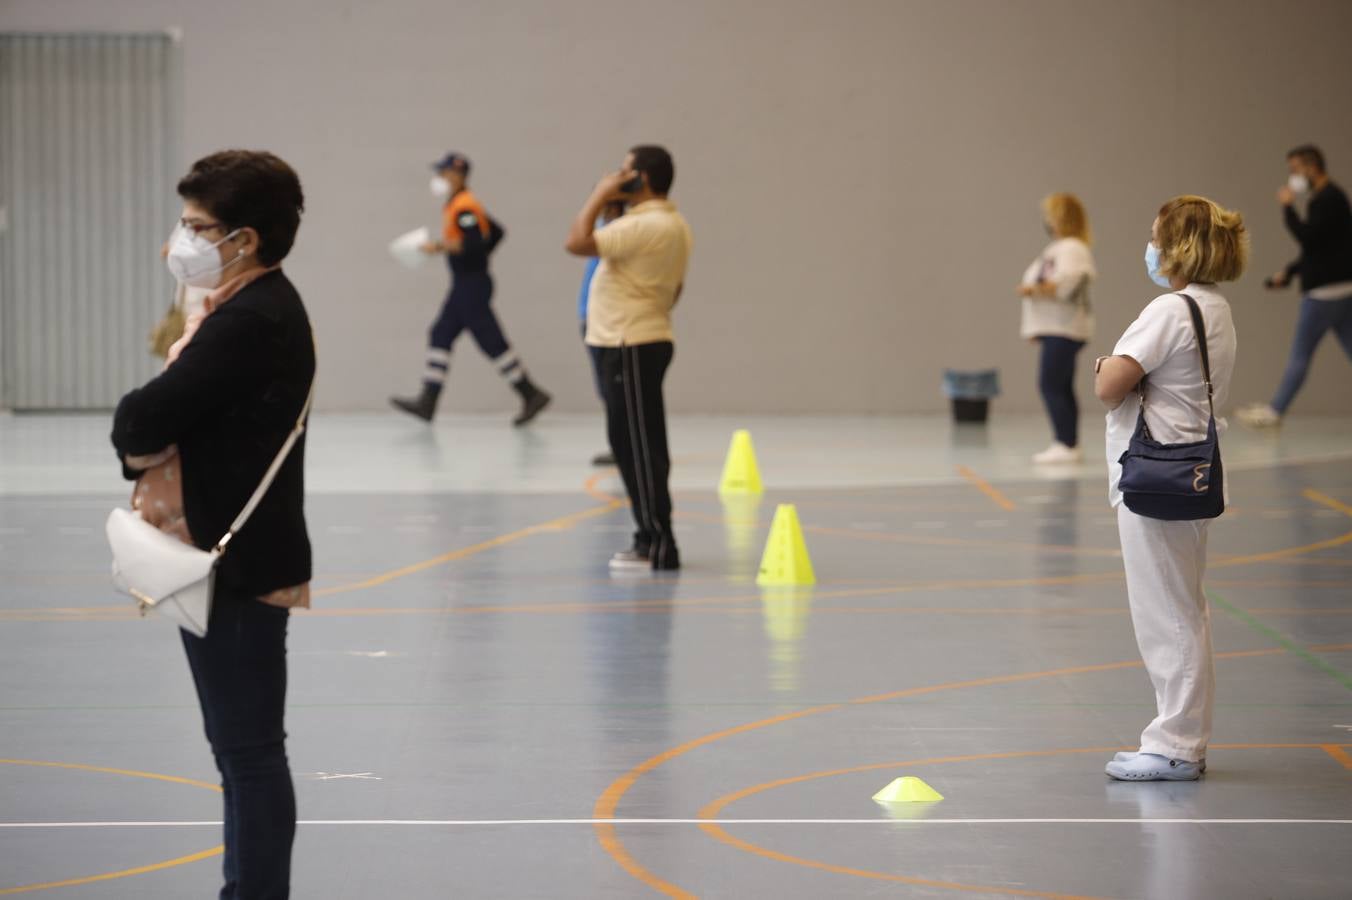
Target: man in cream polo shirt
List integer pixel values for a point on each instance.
(643, 260)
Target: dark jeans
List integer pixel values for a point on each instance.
(469, 306)
(636, 420)
(1317, 318)
(240, 672)
(1056, 381)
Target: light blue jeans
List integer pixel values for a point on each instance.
(1317, 318)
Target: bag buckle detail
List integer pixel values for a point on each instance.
(143, 602)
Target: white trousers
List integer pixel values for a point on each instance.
(1165, 562)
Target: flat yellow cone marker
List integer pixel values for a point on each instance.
(908, 790)
(741, 475)
(786, 563)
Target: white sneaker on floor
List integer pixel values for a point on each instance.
(1152, 767)
(1129, 755)
(1259, 415)
(631, 560)
(1058, 454)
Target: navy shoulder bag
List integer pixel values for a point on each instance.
(1176, 482)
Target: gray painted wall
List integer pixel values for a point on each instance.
(862, 177)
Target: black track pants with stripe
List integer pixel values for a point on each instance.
(636, 421)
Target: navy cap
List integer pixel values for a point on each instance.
(457, 161)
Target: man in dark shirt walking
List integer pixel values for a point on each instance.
(1325, 270)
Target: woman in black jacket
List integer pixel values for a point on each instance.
(224, 406)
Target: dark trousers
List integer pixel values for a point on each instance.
(636, 420)
(1056, 381)
(1317, 318)
(240, 672)
(468, 306)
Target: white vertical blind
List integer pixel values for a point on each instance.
(88, 161)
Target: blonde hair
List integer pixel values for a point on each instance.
(1065, 214)
(1201, 241)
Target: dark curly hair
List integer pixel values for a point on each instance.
(249, 189)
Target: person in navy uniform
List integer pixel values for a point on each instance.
(468, 237)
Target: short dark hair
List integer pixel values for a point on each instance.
(655, 162)
(1309, 153)
(249, 189)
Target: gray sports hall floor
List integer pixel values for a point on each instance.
(473, 689)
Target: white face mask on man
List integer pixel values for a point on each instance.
(196, 261)
(440, 187)
(1298, 184)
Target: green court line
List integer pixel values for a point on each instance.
(1289, 645)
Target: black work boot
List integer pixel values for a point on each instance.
(533, 401)
(424, 406)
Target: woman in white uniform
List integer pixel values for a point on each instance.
(1057, 316)
(1194, 244)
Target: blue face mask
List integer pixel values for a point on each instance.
(1152, 265)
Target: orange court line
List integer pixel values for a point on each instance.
(591, 486)
(1296, 551)
(920, 539)
(987, 488)
(118, 613)
(123, 873)
(607, 805)
(937, 541)
(559, 524)
(131, 773)
(1338, 753)
(109, 876)
(749, 602)
(1219, 562)
(712, 810)
(717, 832)
(1326, 500)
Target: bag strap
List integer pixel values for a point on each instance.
(271, 475)
(1199, 328)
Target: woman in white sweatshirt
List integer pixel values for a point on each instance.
(1058, 317)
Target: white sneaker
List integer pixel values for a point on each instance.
(1058, 454)
(1259, 415)
(631, 560)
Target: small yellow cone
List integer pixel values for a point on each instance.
(741, 475)
(908, 790)
(786, 563)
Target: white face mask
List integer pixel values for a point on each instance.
(196, 261)
(1298, 184)
(440, 187)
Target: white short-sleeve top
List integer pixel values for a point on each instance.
(1163, 342)
(1069, 265)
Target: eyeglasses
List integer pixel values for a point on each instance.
(197, 227)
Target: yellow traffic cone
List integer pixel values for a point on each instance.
(741, 475)
(786, 563)
(908, 790)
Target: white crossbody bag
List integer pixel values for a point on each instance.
(174, 579)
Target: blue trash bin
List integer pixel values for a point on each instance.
(971, 393)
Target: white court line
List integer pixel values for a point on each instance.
(499, 822)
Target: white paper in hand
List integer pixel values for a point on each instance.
(405, 248)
